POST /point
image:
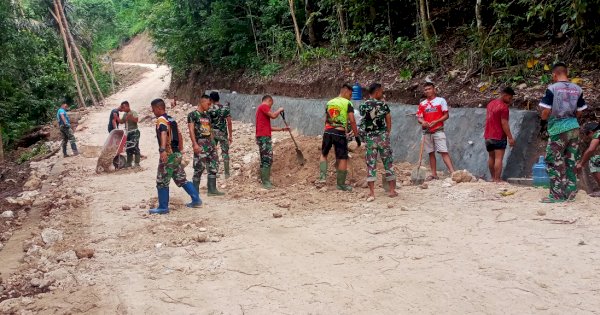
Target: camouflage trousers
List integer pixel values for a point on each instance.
(67, 136)
(265, 148)
(378, 145)
(595, 164)
(562, 153)
(133, 142)
(221, 138)
(172, 169)
(207, 159)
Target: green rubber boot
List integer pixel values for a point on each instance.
(129, 161)
(341, 181)
(212, 186)
(322, 173)
(265, 176)
(226, 167)
(137, 159)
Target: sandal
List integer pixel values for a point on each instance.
(431, 177)
(551, 200)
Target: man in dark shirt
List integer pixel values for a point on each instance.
(170, 142)
(113, 119)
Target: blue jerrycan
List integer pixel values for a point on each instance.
(540, 174)
(356, 92)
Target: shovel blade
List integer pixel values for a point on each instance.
(300, 157)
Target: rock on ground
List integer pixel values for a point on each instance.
(462, 176)
(51, 236)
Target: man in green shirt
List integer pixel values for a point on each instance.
(561, 106)
(130, 119)
(338, 114)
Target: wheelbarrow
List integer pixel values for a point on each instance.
(112, 151)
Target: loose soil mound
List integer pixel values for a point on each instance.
(138, 49)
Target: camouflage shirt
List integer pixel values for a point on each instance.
(202, 124)
(218, 114)
(373, 112)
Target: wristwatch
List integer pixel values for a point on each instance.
(161, 150)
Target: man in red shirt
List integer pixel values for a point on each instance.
(263, 138)
(432, 113)
(497, 132)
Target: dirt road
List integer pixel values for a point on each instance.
(451, 248)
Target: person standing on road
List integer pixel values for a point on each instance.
(205, 152)
(130, 119)
(263, 138)
(432, 113)
(113, 119)
(497, 132)
(64, 123)
(170, 141)
(338, 113)
(222, 129)
(376, 126)
(592, 129)
(562, 104)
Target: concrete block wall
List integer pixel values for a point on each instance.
(463, 126)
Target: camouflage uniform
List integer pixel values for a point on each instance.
(564, 99)
(133, 143)
(373, 129)
(595, 160)
(219, 114)
(171, 169)
(67, 136)
(207, 158)
(265, 147)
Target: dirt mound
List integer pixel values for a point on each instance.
(138, 49)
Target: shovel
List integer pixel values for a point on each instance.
(417, 180)
(299, 156)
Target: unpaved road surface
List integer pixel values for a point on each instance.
(455, 249)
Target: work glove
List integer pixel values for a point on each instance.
(358, 142)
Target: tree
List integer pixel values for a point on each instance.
(296, 29)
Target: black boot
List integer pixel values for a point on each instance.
(212, 186)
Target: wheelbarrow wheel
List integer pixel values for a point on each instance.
(119, 162)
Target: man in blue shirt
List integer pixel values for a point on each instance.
(65, 129)
(113, 120)
(561, 106)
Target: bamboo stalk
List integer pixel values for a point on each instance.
(78, 53)
(68, 52)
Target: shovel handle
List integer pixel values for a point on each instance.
(289, 130)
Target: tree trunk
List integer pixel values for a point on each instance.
(310, 23)
(296, 29)
(342, 20)
(80, 58)
(1, 147)
(56, 13)
(424, 21)
(478, 17)
(253, 29)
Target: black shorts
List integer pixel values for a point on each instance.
(493, 145)
(336, 138)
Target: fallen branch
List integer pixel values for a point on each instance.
(264, 286)
(384, 231)
(243, 272)
(557, 221)
(174, 301)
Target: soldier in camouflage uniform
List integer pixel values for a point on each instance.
(220, 115)
(375, 128)
(205, 151)
(169, 167)
(592, 130)
(130, 119)
(561, 106)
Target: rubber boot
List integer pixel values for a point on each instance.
(137, 159)
(129, 160)
(212, 186)
(322, 172)
(191, 190)
(64, 149)
(196, 184)
(385, 184)
(265, 176)
(341, 181)
(226, 167)
(163, 202)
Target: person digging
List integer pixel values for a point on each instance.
(432, 113)
(338, 113)
(264, 115)
(203, 142)
(592, 129)
(170, 141)
(375, 127)
(220, 115)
